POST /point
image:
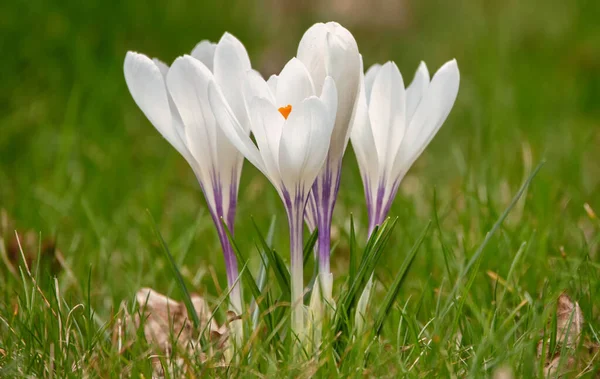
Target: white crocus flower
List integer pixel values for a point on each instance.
(392, 127)
(292, 126)
(330, 50)
(178, 108)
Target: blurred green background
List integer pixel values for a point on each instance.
(79, 163)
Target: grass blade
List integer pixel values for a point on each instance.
(488, 237)
(264, 271)
(309, 246)
(353, 252)
(391, 295)
(247, 277)
(179, 279)
(276, 262)
(370, 257)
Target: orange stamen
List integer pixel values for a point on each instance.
(285, 111)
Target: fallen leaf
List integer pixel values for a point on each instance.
(551, 369)
(165, 321)
(503, 372)
(569, 321)
(569, 327)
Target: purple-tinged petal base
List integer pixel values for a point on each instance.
(222, 207)
(295, 204)
(319, 211)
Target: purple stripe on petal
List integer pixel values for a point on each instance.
(388, 201)
(383, 202)
(323, 197)
(295, 211)
(216, 208)
(233, 192)
(375, 216)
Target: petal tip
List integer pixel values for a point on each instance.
(133, 56)
(452, 67)
(452, 63)
(228, 37)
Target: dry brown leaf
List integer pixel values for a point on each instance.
(569, 327)
(569, 321)
(164, 317)
(503, 372)
(166, 321)
(552, 367)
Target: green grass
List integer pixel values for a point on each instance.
(79, 164)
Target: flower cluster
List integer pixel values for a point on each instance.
(208, 105)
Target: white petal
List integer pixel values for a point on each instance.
(293, 84)
(272, 82)
(329, 97)
(256, 86)
(387, 112)
(416, 89)
(230, 69)
(162, 66)
(205, 53)
(147, 87)
(343, 65)
(429, 116)
(312, 50)
(328, 49)
(232, 128)
(188, 81)
(370, 78)
(363, 141)
(177, 122)
(267, 125)
(304, 145)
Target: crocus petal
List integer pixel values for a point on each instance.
(232, 128)
(311, 51)
(431, 113)
(162, 66)
(187, 81)
(256, 86)
(230, 68)
(205, 53)
(415, 91)
(363, 141)
(304, 144)
(267, 125)
(272, 82)
(147, 86)
(331, 50)
(370, 78)
(329, 97)
(387, 111)
(294, 84)
(343, 65)
(177, 122)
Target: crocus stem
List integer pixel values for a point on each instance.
(324, 247)
(295, 210)
(375, 219)
(235, 295)
(219, 215)
(321, 204)
(231, 266)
